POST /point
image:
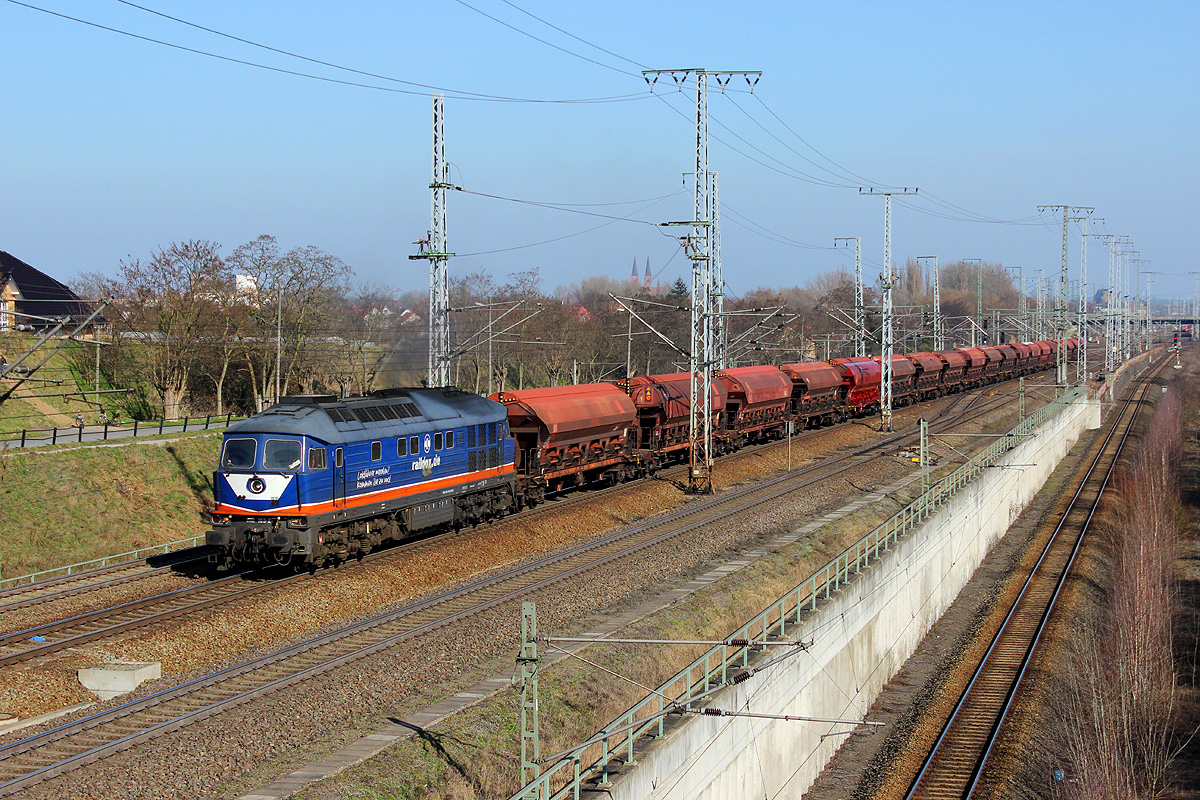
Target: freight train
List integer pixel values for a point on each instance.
(316, 480)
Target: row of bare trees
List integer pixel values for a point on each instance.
(196, 329)
(1122, 709)
(202, 332)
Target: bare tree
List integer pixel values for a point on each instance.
(165, 301)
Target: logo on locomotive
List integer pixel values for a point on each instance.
(425, 465)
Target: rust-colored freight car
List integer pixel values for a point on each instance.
(929, 374)
(664, 405)
(757, 401)
(816, 392)
(904, 379)
(569, 435)
(860, 383)
(976, 361)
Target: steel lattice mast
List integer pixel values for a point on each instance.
(938, 332)
(433, 248)
(702, 351)
(1195, 305)
(887, 280)
(1060, 302)
(860, 323)
(1083, 300)
(716, 295)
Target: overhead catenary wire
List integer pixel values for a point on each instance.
(571, 53)
(452, 93)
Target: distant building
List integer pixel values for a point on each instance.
(645, 284)
(29, 296)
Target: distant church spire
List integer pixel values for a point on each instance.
(633, 276)
(649, 274)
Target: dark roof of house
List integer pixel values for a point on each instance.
(41, 295)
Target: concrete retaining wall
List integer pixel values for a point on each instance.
(861, 637)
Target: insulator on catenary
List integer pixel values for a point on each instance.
(713, 712)
(738, 642)
(741, 676)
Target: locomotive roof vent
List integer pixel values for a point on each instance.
(305, 399)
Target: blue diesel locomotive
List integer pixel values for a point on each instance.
(316, 480)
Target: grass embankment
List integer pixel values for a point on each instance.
(58, 374)
(65, 506)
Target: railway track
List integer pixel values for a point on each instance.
(66, 586)
(955, 764)
(91, 580)
(29, 761)
(31, 643)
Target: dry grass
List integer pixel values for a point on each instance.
(1109, 700)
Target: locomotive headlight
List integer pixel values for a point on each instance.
(216, 519)
(256, 485)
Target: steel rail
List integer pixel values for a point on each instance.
(201, 697)
(928, 781)
(16, 647)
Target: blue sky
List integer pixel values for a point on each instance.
(112, 146)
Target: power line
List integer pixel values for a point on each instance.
(575, 208)
(499, 21)
(456, 94)
(573, 36)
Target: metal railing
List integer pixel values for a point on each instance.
(43, 437)
(96, 563)
(567, 776)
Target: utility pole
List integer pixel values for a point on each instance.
(938, 335)
(1110, 317)
(1083, 297)
(1060, 303)
(1149, 316)
(1022, 302)
(978, 326)
(860, 333)
(528, 661)
(434, 249)
(1145, 336)
(1195, 305)
(1040, 312)
(716, 295)
(887, 280)
(1127, 307)
(698, 245)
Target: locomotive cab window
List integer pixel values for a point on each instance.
(282, 454)
(239, 453)
(414, 445)
(437, 441)
(316, 458)
(376, 451)
(449, 439)
(401, 447)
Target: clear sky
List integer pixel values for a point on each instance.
(111, 145)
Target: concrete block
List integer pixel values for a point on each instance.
(120, 677)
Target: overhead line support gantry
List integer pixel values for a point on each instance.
(1060, 304)
(887, 280)
(433, 248)
(703, 354)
